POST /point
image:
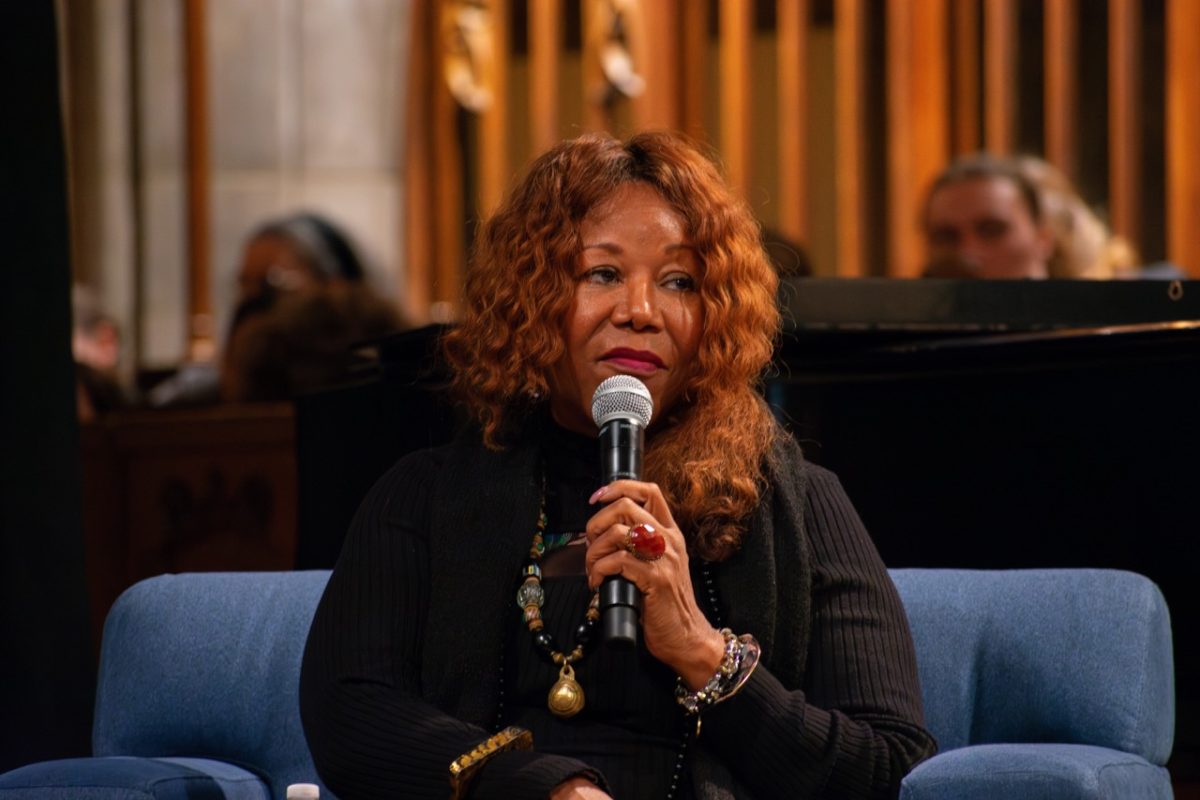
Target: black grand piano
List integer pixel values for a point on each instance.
(996, 424)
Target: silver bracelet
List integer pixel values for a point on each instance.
(740, 659)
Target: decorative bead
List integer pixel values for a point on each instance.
(532, 571)
(583, 634)
(530, 594)
(532, 613)
(545, 640)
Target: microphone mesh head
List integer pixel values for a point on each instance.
(622, 396)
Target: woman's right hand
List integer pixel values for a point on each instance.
(578, 789)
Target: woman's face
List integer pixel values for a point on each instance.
(636, 308)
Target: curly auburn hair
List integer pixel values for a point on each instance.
(520, 289)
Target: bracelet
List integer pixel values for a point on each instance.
(740, 659)
(463, 768)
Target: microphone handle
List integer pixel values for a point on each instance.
(621, 443)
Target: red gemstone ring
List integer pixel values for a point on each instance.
(645, 542)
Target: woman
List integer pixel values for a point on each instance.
(613, 258)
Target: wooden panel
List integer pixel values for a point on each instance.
(545, 51)
(851, 134)
(1183, 132)
(737, 26)
(494, 173)
(1061, 98)
(965, 75)
(187, 491)
(918, 121)
(1124, 117)
(201, 341)
(1000, 75)
(657, 60)
(791, 56)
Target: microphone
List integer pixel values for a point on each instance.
(621, 409)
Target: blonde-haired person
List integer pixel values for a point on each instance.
(1084, 247)
(466, 587)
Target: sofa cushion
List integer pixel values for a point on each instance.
(128, 778)
(1036, 772)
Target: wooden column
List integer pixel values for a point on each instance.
(1124, 118)
(850, 68)
(791, 57)
(494, 169)
(737, 26)
(424, 75)
(201, 339)
(595, 15)
(449, 255)
(434, 252)
(1000, 75)
(965, 75)
(656, 52)
(1183, 132)
(1061, 99)
(545, 52)
(693, 24)
(918, 121)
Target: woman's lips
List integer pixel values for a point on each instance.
(634, 360)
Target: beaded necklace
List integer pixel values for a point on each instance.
(566, 695)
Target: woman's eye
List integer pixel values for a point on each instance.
(601, 275)
(681, 283)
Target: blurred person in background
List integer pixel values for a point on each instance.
(984, 219)
(96, 348)
(1084, 247)
(303, 301)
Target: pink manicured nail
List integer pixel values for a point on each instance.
(596, 495)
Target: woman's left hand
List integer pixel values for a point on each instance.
(674, 628)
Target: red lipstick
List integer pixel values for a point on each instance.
(635, 360)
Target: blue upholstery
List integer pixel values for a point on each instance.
(132, 778)
(205, 666)
(1041, 683)
(1037, 684)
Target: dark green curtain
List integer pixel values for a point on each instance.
(46, 671)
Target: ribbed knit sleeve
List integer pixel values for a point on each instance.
(370, 733)
(856, 726)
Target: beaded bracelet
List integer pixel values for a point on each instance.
(463, 768)
(740, 658)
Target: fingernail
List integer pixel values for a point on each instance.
(596, 495)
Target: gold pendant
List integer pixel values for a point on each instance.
(566, 696)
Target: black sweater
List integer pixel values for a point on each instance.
(402, 671)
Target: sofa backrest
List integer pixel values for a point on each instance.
(208, 665)
(1050, 655)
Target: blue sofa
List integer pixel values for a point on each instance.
(1038, 684)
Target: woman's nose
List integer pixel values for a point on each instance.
(640, 304)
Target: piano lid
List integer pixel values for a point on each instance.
(963, 306)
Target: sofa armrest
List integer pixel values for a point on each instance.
(1036, 771)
